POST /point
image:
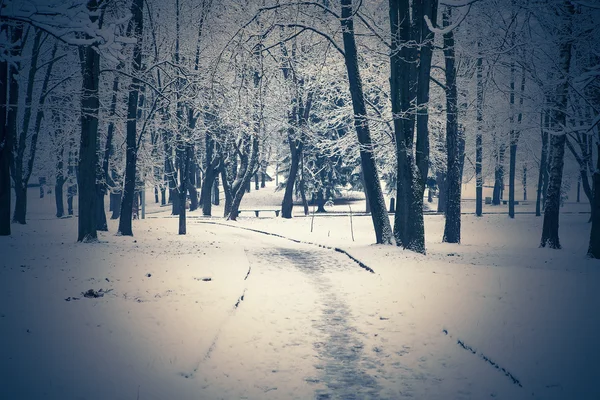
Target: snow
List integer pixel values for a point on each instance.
(309, 322)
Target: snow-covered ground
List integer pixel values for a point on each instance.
(230, 313)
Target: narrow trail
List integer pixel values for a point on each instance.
(343, 365)
(294, 317)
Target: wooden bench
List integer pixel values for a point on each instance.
(505, 202)
(257, 212)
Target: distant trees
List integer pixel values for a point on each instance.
(170, 101)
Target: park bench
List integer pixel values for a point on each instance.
(505, 202)
(257, 212)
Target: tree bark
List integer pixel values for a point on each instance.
(379, 216)
(514, 139)
(594, 247)
(557, 142)
(499, 175)
(453, 177)
(543, 173)
(6, 134)
(88, 156)
(479, 141)
(296, 145)
(125, 224)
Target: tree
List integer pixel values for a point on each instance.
(137, 26)
(558, 139)
(453, 171)
(6, 130)
(409, 86)
(379, 216)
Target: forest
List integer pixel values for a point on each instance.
(289, 199)
(107, 98)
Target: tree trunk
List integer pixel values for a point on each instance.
(256, 183)
(20, 204)
(215, 191)
(524, 182)
(543, 173)
(442, 192)
(125, 226)
(479, 141)
(320, 202)
(58, 196)
(514, 138)
(453, 178)
(101, 223)
(379, 216)
(594, 247)
(116, 199)
(5, 146)
(295, 146)
(245, 179)
(557, 143)
(183, 179)
(88, 155)
(499, 175)
(71, 189)
(226, 190)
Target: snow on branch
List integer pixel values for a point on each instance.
(451, 27)
(69, 21)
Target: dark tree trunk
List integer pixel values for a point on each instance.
(156, 199)
(453, 178)
(381, 222)
(5, 145)
(514, 139)
(207, 187)
(88, 155)
(594, 247)
(71, 189)
(320, 202)
(442, 192)
(543, 173)
(193, 195)
(479, 141)
(101, 223)
(367, 201)
(256, 184)
(58, 196)
(125, 226)
(226, 189)
(116, 199)
(511, 179)
(409, 83)
(19, 174)
(183, 179)
(263, 175)
(499, 176)
(303, 196)
(296, 146)
(238, 192)
(20, 204)
(106, 173)
(557, 144)
(210, 173)
(215, 192)
(524, 182)
(163, 196)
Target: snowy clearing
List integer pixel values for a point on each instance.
(227, 313)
